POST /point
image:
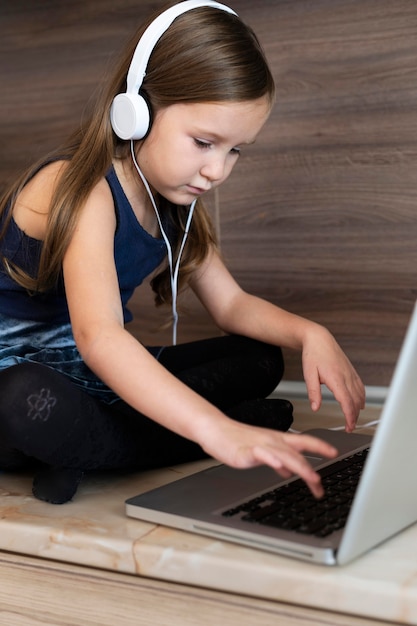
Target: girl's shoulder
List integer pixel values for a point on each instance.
(31, 207)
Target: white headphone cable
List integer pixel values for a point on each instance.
(173, 271)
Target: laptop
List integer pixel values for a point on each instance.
(255, 507)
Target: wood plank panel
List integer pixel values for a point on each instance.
(39, 592)
(329, 229)
(53, 54)
(319, 215)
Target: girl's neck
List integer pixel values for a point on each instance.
(137, 195)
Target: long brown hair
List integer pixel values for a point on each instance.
(206, 55)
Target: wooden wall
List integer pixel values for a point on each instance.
(319, 215)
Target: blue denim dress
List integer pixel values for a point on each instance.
(52, 345)
(38, 330)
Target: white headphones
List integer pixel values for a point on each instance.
(130, 116)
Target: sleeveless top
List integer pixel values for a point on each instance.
(136, 255)
(36, 328)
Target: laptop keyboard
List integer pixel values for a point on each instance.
(292, 507)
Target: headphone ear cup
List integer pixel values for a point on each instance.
(130, 116)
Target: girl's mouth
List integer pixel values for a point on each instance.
(196, 191)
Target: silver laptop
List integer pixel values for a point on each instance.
(257, 508)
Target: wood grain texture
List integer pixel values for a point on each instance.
(319, 215)
(331, 231)
(40, 592)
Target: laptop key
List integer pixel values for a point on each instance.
(292, 506)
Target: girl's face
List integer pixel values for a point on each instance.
(192, 148)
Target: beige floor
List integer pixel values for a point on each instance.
(331, 416)
(35, 591)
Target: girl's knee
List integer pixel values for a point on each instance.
(26, 397)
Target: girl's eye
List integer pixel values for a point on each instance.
(204, 145)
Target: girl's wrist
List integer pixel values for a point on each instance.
(308, 332)
(211, 430)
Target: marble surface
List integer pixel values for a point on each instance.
(93, 530)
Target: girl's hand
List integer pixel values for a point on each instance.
(324, 362)
(242, 446)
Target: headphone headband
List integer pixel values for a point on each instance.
(130, 116)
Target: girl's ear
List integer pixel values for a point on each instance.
(130, 116)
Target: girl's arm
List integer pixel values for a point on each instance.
(126, 366)
(324, 362)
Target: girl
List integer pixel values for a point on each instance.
(84, 227)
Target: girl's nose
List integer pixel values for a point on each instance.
(214, 169)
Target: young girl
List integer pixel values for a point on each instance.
(84, 227)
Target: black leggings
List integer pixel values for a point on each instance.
(46, 419)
